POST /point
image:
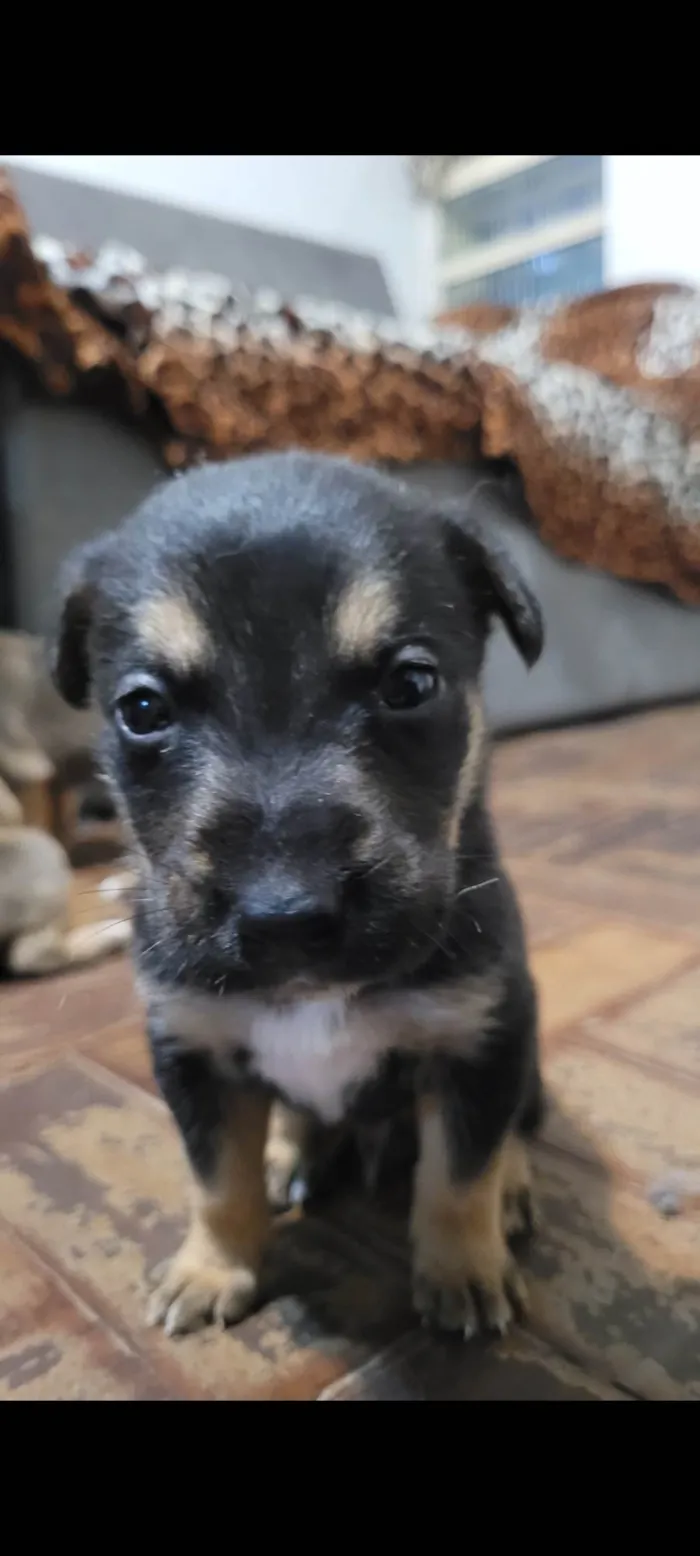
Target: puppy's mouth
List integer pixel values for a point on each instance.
(361, 954)
(377, 934)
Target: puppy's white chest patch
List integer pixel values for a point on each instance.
(314, 1051)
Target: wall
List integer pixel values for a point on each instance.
(362, 203)
(653, 216)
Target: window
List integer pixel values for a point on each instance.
(521, 229)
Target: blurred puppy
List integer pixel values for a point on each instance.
(288, 651)
(35, 886)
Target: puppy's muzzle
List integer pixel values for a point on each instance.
(289, 920)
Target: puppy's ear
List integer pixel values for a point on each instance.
(69, 654)
(496, 584)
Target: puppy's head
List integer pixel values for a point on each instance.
(287, 652)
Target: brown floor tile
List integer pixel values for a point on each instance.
(602, 837)
(123, 1049)
(93, 1179)
(603, 963)
(548, 919)
(615, 1285)
(87, 905)
(637, 1121)
(419, 1367)
(43, 1018)
(663, 1026)
(52, 1347)
(668, 902)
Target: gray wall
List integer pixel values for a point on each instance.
(168, 235)
(70, 473)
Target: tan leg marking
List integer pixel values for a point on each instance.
(519, 1208)
(214, 1277)
(284, 1153)
(459, 1248)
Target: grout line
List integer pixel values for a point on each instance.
(618, 1004)
(630, 1059)
(116, 1080)
(93, 1304)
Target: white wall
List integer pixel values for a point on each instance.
(653, 219)
(362, 203)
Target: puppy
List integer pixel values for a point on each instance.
(287, 651)
(35, 888)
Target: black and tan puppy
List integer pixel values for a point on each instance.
(287, 651)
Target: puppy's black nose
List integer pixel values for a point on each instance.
(291, 918)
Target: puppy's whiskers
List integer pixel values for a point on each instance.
(492, 881)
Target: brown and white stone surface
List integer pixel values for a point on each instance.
(599, 826)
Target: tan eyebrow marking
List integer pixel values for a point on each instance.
(169, 627)
(366, 612)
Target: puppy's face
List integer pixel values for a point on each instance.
(286, 651)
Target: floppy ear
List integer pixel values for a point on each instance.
(498, 586)
(69, 656)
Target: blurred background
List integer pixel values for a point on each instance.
(496, 229)
(161, 310)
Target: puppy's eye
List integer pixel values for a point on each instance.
(144, 712)
(408, 684)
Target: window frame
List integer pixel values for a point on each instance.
(473, 262)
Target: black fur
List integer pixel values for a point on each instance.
(263, 549)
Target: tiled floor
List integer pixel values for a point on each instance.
(601, 828)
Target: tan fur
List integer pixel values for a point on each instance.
(284, 1151)
(365, 615)
(54, 948)
(35, 885)
(215, 1273)
(119, 887)
(457, 1229)
(38, 732)
(460, 1011)
(517, 1176)
(200, 863)
(471, 769)
(171, 631)
(519, 1211)
(380, 841)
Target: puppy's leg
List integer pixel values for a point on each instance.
(214, 1277)
(463, 1273)
(303, 1159)
(54, 948)
(92, 941)
(286, 1157)
(39, 951)
(465, 1276)
(520, 1216)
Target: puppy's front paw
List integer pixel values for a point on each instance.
(189, 1295)
(471, 1288)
